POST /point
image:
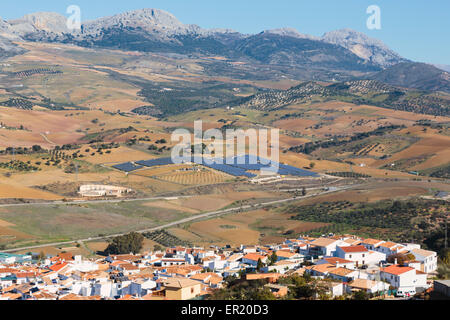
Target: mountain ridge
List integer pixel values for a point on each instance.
(163, 26)
(336, 55)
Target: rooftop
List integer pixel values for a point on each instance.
(351, 249)
(396, 269)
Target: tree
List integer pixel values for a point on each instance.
(260, 265)
(130, 243)
(41, 256)
(304, 291)
(401, 258)
(273, 258)
(36, 148)
(304, 191)
(360, 295)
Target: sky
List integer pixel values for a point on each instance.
(418, 30)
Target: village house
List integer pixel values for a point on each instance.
(253, 258)
(338, 262)
(428, 259)
(343, 274)
(288, 255)
(405, 279)
(181, 289)
(371, 244)
(357, 254)
(331, 288)
(277, 290)
(389, 248)
(281, 266)
(369, 286)
(325, 246)
(360, 255)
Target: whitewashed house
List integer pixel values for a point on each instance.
(358, 254)
(369, 286)
(325, 246)
(428, 259)
(338, 262)
(405, 279)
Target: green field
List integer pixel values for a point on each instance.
(63, 222)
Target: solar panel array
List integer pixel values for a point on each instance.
(254, 163)
(127, 166)
(156, 162)
(234, 171)
(237, 166)
(287, 170)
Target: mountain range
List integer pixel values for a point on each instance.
(337, 55)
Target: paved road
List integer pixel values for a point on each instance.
(185, 220)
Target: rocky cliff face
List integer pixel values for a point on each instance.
(367, 48)
(49, 23)
(7, 36)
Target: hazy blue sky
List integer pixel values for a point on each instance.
(417, 29)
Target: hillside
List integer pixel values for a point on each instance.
(359, 92)
(415, 75)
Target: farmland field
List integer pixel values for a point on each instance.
(195, 177)
(54, 223)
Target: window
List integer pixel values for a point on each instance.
(192, 290)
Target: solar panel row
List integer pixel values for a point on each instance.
(237, 166)
(254, 163)
(234, 171)
(156, 162)
(127, 167)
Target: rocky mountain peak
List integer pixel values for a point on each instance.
(289, 32)
(150, 20)
(47, 22)
(367, 48)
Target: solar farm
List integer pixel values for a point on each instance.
(241, 166)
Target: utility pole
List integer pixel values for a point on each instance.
(446, 220)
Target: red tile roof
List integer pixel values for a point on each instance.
(254, 257)
(354, 249)
(396, 269)
(334, 260)
(57, 267)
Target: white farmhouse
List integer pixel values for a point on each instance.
(358, 254)
(405, 279)
(428, 259)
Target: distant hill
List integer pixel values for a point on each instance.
(272, 48)
(369, 92)
(415, 75)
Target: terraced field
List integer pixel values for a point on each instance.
(200, 177)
